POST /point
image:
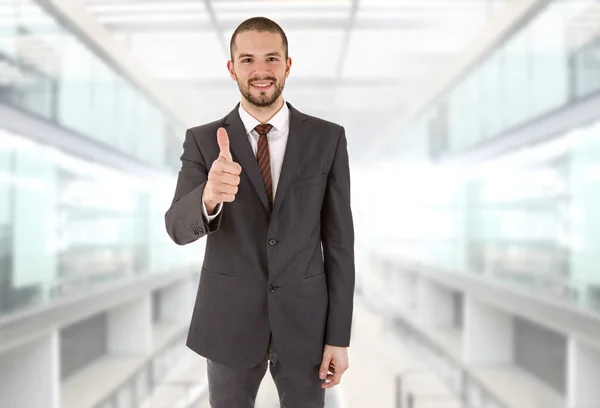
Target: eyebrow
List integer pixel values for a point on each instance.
(270, 54)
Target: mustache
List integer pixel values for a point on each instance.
(262, 79)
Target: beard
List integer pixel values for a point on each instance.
(263, 100)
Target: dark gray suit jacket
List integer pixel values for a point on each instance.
(289, 271)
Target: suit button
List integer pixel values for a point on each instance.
(273, 288)
(272, 242)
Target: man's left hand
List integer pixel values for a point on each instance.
(335, 360)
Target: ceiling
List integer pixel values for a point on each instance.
(354, 62)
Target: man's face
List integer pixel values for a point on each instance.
(259, 66)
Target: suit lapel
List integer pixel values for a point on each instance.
(242, 152)
(297, 138)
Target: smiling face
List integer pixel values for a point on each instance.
(259, 66)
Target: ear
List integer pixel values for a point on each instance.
(288, 66)
(231, 70)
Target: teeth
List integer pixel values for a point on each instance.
(262, 85)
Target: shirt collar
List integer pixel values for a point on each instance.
(279, 121)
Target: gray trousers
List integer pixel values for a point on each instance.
(235, 388)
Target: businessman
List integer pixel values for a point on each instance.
(270, 188)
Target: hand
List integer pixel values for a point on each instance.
(335, 360)
(223, 177)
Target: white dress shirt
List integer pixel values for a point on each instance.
(276, 138)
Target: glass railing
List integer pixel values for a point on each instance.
(137, 390)
(551, 61)
(529, 219)
(461, 383)
(68, 225)
(468, 390)
(48, 70)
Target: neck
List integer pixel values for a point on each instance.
(263, 114)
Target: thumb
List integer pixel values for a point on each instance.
(324, 369)
(223, 140)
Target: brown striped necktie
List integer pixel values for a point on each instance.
(263, 158)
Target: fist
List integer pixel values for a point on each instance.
(223, 177)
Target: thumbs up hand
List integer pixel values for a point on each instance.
(223, 140)
(223, 177)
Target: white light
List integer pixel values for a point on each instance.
(409, 39)
(201, 18)
(174, 36)
(264, 5)
(288, 15)
(145, 7)
(575, 8)
(412, 4)
(456, 16)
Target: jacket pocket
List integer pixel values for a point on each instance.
(310, 181)
(313, 275)
(226, 274)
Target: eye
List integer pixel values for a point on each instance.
(273, 58)
(246, 59)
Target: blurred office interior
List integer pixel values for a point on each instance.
(474, 139)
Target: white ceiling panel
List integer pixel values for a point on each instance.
(142, 7)
(369, 97)
(399, 53)
(314, 53)
(199, 18)
(432, 4)
(260, 5)
(181, 56)
(352, 61)
(283, 15)
(231, 13)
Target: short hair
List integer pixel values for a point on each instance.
(260, 24)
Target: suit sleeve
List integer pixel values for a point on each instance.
(337, 237)
(184, 219)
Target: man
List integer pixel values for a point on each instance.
(270, 188)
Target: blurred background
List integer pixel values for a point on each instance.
(473, 132)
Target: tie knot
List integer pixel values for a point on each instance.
(263, 129)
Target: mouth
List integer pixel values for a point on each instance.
(262, 85)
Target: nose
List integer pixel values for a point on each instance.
(262, 69)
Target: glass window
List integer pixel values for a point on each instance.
(8, 28)
(130, 106)
(472, 109)
(584, 188)
(586, 66)
(50, 71)
(457, 116)
(517, 78)
(153, 146)
(34, 220)
(582, 41)
(492, 104)
(6, 223)
(36, 53)
(49, 203)
(146, 134)
(75, 86)
(104, 103)
(49, 200)
(549, 61)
